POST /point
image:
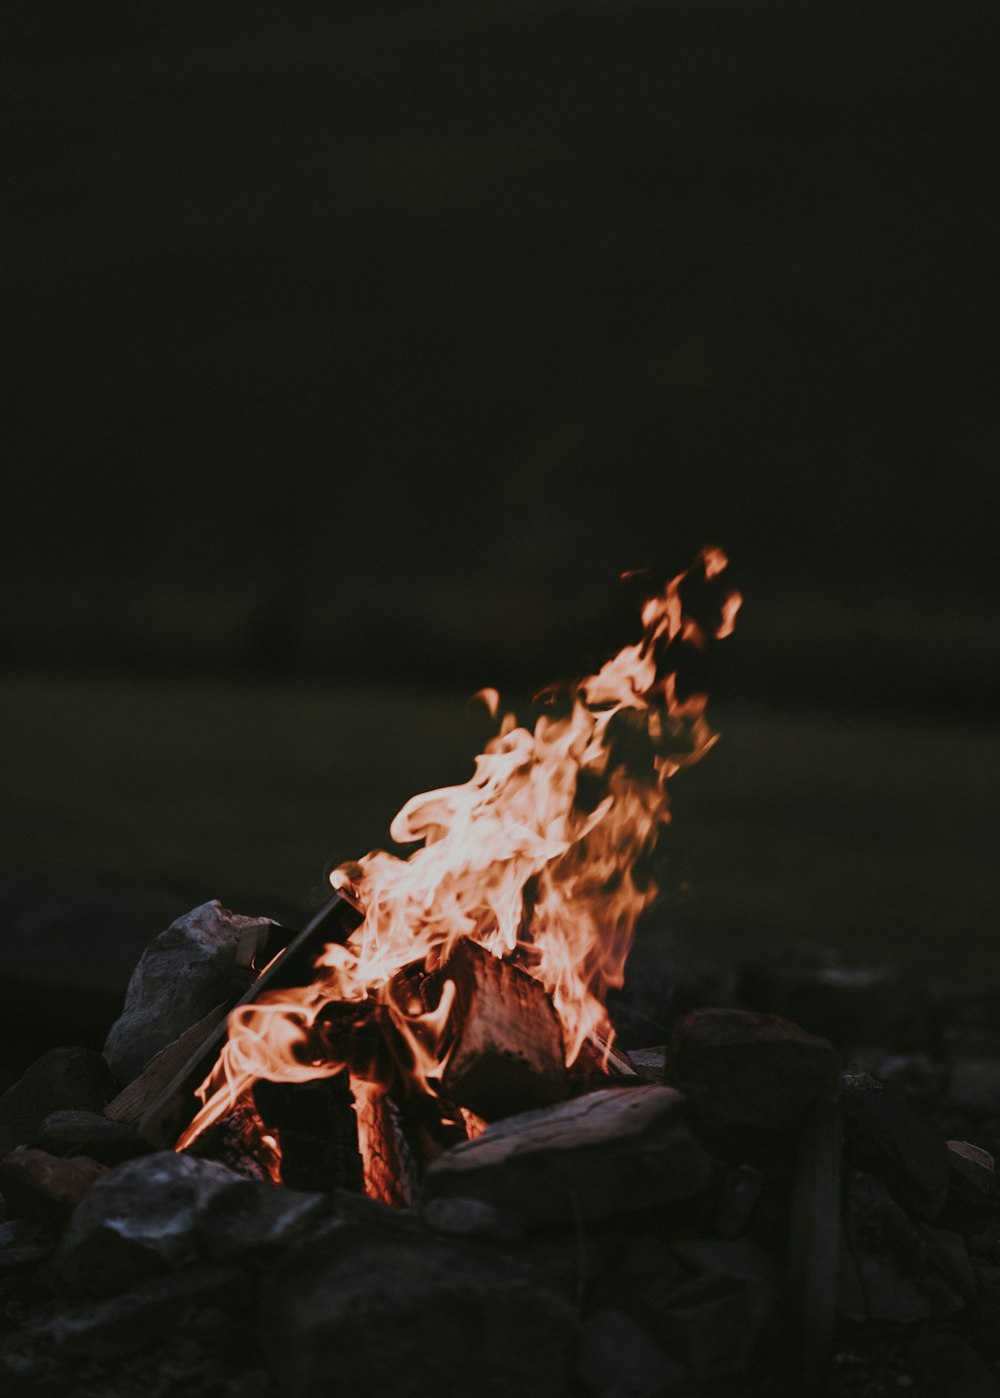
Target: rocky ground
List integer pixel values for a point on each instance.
(767, 1210)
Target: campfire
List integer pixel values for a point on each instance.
(404, 1145)
(474, 985)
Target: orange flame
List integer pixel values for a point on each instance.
(535, 857)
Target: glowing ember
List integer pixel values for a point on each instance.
(534, 858)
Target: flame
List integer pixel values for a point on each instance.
(535, 857)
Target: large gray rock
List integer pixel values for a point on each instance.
(368, 1309)
(200, 961)
(610, 1152)
(162, 1211)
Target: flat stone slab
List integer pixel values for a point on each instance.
(612, 1151)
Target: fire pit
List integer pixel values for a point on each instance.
(405, 1151)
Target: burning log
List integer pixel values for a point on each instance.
(508, 1053)
(317, 1131)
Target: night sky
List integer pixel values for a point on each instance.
(377, 340)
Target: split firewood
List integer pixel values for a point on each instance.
(507, 1054)
(133, 1102)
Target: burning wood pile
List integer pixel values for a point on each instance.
(403, 1151)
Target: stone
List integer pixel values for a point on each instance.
(470, 1218)
(160, 1212)
(610, 1152)
(648, 1062)
(72, 1133)
(35, 1184)
(64, 1079)
(201, 960)
(620, 1360)
(889, 1269)
(143, 1218)
(120, 1325)
(744, 1070)
(381, 1310)
(738, 1258)
(252, 1218)
(886, 1137)
(712, 1323)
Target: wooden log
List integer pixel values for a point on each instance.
(390, 1171)
(316, 1130)
(134, 1101)
(507, 1054)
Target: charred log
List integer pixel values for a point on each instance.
(507, 1055)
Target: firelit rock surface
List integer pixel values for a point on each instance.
(609, 1152)
(35, 1184)
(65, 1078)
(159, 1212)
(410, 1314)
(200, 961)
(750, 1070)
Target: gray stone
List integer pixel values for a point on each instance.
(610, 1152)
(200, 961)
(470, 1218)
(157, 1213)
(618, 1359)
(250, 1217)
(89, 1133)
(886, 1137)
(738, 1258)
(712, 1323)
(142, 1218)
(648, 1062)
(386, 1311)
(889, 1268)
(120, 1325)
(749, 1070)
(64, 1079)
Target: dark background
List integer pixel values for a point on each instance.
(354, 349)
